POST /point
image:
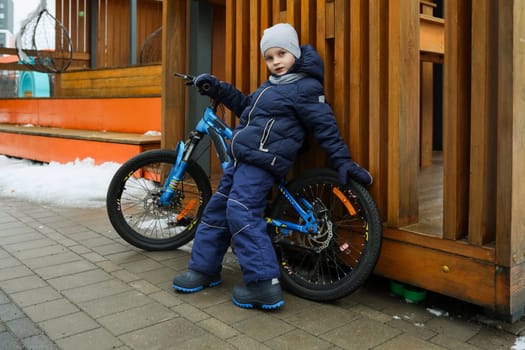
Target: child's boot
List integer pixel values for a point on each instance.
(264, 294)
(193, 281)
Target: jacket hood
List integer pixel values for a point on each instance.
(310, 63)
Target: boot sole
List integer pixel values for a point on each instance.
(261, 305)
(195, 289)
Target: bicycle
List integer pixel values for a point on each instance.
(327, 236)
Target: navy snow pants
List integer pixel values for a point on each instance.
(234, 215)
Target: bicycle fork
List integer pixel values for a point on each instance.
(176, 175)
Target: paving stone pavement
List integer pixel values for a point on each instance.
(68, 281)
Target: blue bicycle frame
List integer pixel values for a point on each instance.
(220, 133)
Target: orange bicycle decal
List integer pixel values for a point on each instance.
(345, 200)
(186, 210)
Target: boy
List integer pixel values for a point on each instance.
(273, 122)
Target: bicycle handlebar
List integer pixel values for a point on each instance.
(190, 80)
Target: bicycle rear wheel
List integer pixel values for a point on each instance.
(340, 257)
(132, 202)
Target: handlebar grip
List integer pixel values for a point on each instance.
(189, 78)
(205, 87)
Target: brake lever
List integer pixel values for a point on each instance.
(189, 78)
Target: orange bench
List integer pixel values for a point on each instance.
(64, 129)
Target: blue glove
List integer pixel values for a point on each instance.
(206, 84)
(351, 170)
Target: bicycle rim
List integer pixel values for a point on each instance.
(338, 259)
(133, 202)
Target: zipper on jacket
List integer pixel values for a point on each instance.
(266, 135)
(247, 123)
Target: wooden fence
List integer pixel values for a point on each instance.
(371, 56)
(373, 51)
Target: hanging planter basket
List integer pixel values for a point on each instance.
(151, 51)
(44, 43)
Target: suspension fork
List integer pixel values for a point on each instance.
(184, 152)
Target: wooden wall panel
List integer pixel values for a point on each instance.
(341, 73)
(255, 52)
(229, 50)
(113, 27)
(510, 211)
(110, 82)
(175, 20)
(378, 102)
(456, 118)
(308, 24)
(341, 32)
(357, 94)
(264, 22)
(517, 233)
(242, 46)
(74, 16)
(372, 58)
(403, 117)
(481, 226)
(505, 194)
(149, 19)
(112, 39)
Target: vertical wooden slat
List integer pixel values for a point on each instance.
(506, 202)
(403, 120)
(427, 103)
(175, 43)
(510, 211)
(293, 14)
(254, 53)
(113, 43)
(328, 56)
(456, 112)
(481, 224)
(340, 103)
(518, 112)
(329, 21)
(100, 32)
(149, 19)
(242, 46)
(229, 49)
(265, 22)
(518, 154)
(320, 40)
(276, 13)
(427, 111)
(378, 100)
(358, 92)
(308, 25)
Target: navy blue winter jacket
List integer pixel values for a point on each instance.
(275, 118)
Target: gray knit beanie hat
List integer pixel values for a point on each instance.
(281, 35)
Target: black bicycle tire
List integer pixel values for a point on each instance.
(114, 193)
(367, 261)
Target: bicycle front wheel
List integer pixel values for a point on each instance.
(340, 257)
(133, 208)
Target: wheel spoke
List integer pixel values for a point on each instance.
(134, 208)
(336, 260)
